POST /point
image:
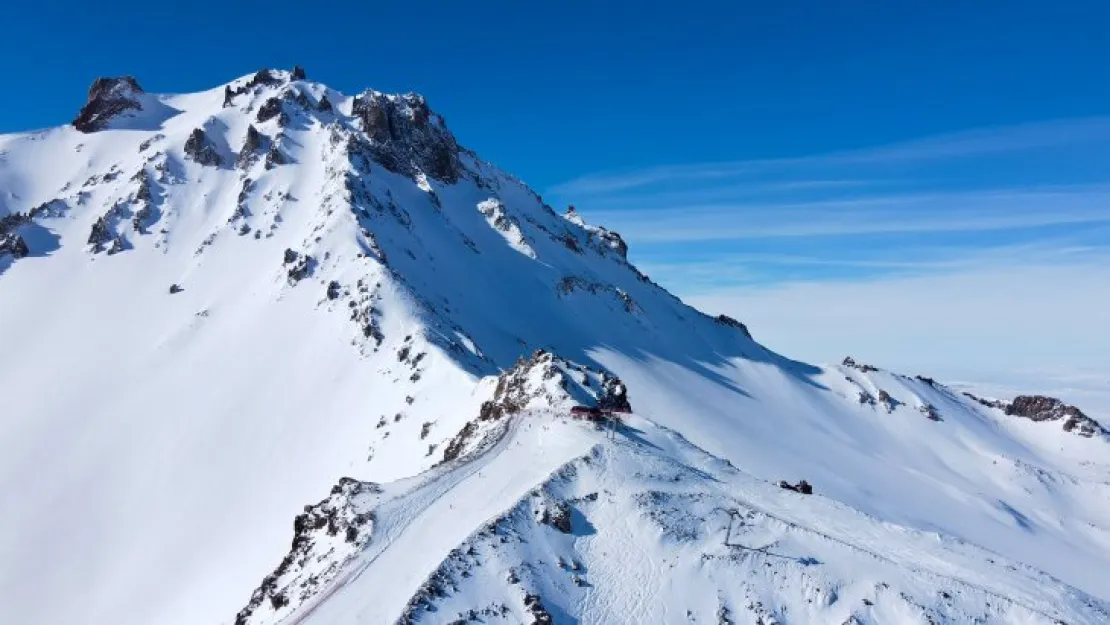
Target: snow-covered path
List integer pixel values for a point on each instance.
(416, 531)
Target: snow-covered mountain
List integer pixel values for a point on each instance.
(271, 353)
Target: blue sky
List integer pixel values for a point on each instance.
(754, 154)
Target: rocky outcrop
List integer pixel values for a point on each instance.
(298, 73)
(1043, 408)
(407, 137)
(298, 266)
(989, 403)
(802, 487)
(108, 98)
(199, 149)
(887, 401)
(852, 364)
(11, 243)
(270, 109)
(325, 537)
(275, 157)
(725, 320)
(14, 245)
(251, 145)
(102, 238)
(542, 381)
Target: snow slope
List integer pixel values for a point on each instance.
(223, 302)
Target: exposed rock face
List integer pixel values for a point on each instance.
(407, 137)
(525, 385)
(1042, 408)
(850, 362)
(13, 244)
(108, 97)
(298, 72)
(264, 77)
(200, 149)
(324, 538)
(732, 323)
(275, 157)
(542, 381)
(989, 403)
(887, 401)
(251, 145)
(298, 266)
(270, 109)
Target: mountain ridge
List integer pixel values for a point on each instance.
(225, 302)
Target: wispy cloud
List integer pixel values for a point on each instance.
(956, 145)
(923, 212)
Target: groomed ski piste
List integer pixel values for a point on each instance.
(271, 353)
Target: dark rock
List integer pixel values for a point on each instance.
(887, 401)
(534, 606)
(851, 363)
(301, 269)
(275, 157)
(802, 487)
(989, 403)
(338, 515)
(264, 77)
(270, 109)
(571, 243)
(333, 290)
(324, 104)
(199, 149)
(100, 234)
(289, 257)
(108, 98)
(11, 221)
(298, 72)
(13, 244)
(229, 95)
(557, 515)
(733, 323)
(1042, 408)
(175, 289)
(251, 145)
(407, 136)
(930, 412)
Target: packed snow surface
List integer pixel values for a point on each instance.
(216, 306)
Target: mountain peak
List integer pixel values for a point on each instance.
(108, 97)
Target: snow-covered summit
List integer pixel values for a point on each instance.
(214, 306)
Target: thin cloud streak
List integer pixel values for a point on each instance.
(961, 144)
(706, 275)
(941, 212)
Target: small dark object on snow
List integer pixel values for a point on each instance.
(298, 72)
(802, 487)
(333, 290)
(175, 289)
